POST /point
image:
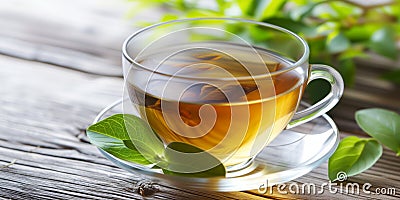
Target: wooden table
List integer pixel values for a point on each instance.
(60, 65)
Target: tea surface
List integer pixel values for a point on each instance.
(232, 119)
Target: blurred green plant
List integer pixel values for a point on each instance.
(336, 31)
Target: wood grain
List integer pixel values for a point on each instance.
(60, 65)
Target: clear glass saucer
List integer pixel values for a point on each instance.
(292, 154)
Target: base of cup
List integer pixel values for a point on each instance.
(241, 168)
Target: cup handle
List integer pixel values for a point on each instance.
(329, 74)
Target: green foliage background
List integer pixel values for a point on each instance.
(336, 31)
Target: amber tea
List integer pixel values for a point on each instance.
(241, 118)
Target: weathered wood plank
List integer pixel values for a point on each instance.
(71, 34)
(61, 57)
(82, 35)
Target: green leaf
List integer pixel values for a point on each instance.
(124, 127)
(141, 134)
(223, 5)
(113, 126)
(129, 138)
(383, 42)
(344, 9)
(254, 6)
(383, 125)
(117, 148)
(393, 76)
(187, 160)
(271, 9)
(353, 156)
(184, 4)
(361, 32)
(244, 6)
(262, 9)
(337, 42)
(305, 10)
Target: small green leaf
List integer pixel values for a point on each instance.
(187, 160)
(337, 42)
(393, 76)
(383, 125)
(117, 148)
(383, 42)
(353, 156)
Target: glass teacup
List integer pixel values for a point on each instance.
(221, 86)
